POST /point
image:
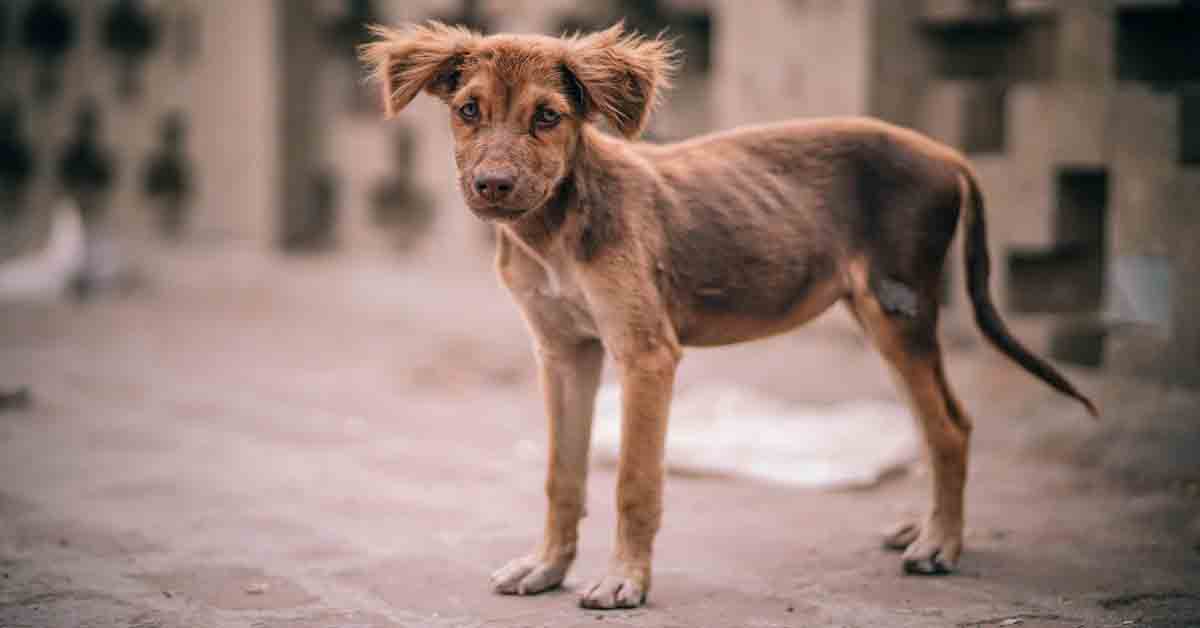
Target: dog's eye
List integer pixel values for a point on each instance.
(546, 118)
(469, 111)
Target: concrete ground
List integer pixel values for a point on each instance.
(253, 441)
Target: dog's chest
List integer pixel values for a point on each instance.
(564, 307)
(553, 301)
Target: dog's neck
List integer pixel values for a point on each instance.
(540, 231)
(539, 228)
(537, 231)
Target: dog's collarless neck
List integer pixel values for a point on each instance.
(538, 228)
(577, 219)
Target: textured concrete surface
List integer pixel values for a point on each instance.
(260, 442)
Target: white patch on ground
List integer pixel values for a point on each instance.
(734, 431)
(43, 275)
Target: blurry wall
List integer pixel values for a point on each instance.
(234, 100)
(212, 65)
(779, 59)
(1083, 118)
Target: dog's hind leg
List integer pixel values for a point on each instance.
(570, 374)
(907, 339)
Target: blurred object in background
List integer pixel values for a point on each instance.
(15, 399)
(1141, 293)
(1067, 275)
(313, 222)
(343, 35)
(86, 168)
(16, 163)
(310, 180)
(77, 67)
(46, 274)
(168, 178)
(468, 13)
(48, 32)
(181, 21)
(399, 205)
(86, 171)
(130, 34)
(4, 38)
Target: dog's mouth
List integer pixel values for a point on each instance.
(495, 212)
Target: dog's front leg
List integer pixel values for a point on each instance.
(647, 379)
(570, 374)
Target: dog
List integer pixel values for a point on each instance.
(616, 247)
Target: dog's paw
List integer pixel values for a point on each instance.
(901, 535)
(932, 552)
(615, 591)
(528, 575)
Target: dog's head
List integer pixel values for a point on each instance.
(518, 103)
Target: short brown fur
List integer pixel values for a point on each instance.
(611, 246)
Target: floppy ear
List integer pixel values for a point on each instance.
(407, 60)
(621, 75)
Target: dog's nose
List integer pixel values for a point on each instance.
(494, 186)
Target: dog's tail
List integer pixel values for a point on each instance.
(978, 267)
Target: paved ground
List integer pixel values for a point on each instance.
(256, 442)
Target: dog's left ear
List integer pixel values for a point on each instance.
(621, 75)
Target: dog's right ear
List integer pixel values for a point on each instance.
(425, 56)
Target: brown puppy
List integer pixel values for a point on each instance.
(634, 250)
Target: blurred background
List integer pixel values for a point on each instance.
(237, 303)
(181, 124)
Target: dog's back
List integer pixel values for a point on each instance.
(762, 223)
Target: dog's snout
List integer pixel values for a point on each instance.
(495, 186)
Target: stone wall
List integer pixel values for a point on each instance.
(215, 69)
